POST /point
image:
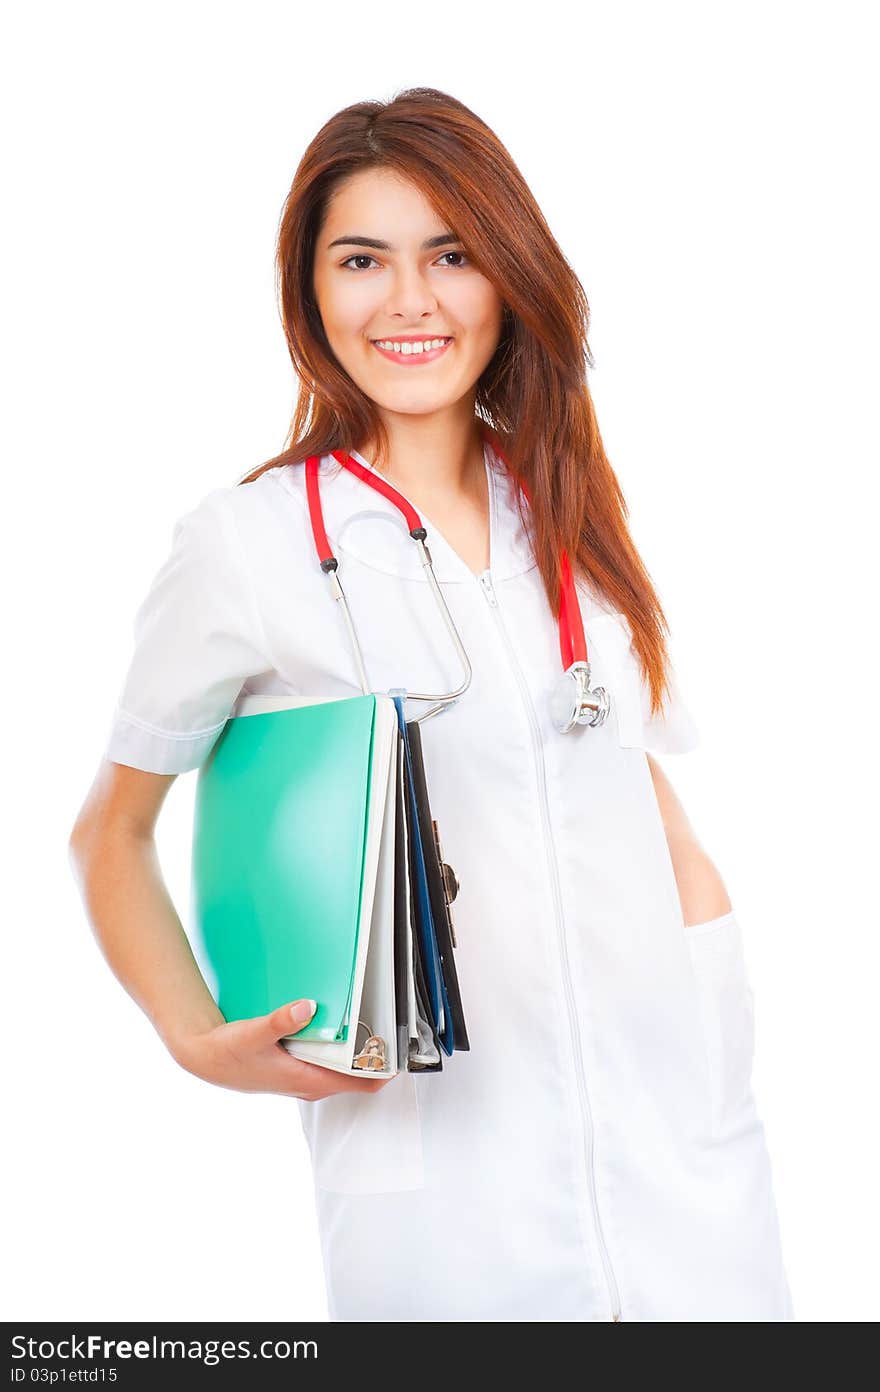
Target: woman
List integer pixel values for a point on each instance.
(596, 1154)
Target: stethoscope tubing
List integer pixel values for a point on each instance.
(329, 564)
(572, 639)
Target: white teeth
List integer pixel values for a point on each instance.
(424, 346)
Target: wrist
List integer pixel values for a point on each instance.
(179, 1037)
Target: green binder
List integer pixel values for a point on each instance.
(282, 813)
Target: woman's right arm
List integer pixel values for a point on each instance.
(115, 861)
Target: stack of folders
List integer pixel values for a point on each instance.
(317, 872)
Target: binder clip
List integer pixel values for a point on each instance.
(450, 882)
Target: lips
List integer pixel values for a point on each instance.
(410, 359)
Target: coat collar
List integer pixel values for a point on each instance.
(360, 522)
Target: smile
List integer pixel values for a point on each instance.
(408, 351)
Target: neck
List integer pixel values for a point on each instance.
(432, 456)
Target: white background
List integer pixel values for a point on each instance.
(707, 170)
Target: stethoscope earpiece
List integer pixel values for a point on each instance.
(572, 702)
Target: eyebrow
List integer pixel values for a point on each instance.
(442, 239)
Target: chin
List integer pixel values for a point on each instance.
(411, 403)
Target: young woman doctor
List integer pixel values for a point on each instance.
(596, 1154)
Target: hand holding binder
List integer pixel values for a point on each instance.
(244, 1055)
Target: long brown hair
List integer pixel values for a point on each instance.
(532, 396)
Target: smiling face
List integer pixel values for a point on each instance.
(408, 317)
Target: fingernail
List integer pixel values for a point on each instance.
(303, 1010)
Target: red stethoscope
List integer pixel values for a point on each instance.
(573, 702)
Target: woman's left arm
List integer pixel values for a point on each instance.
(700, 886)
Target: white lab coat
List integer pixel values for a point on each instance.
(597, 1153)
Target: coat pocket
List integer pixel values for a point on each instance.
(726, 1004)
(367, 1142)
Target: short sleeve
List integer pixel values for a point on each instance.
(197, 639)
(672, 730)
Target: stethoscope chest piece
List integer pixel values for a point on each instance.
(572, 702)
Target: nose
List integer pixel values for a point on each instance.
(411, 294)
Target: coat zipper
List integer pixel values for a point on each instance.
(488, 589)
